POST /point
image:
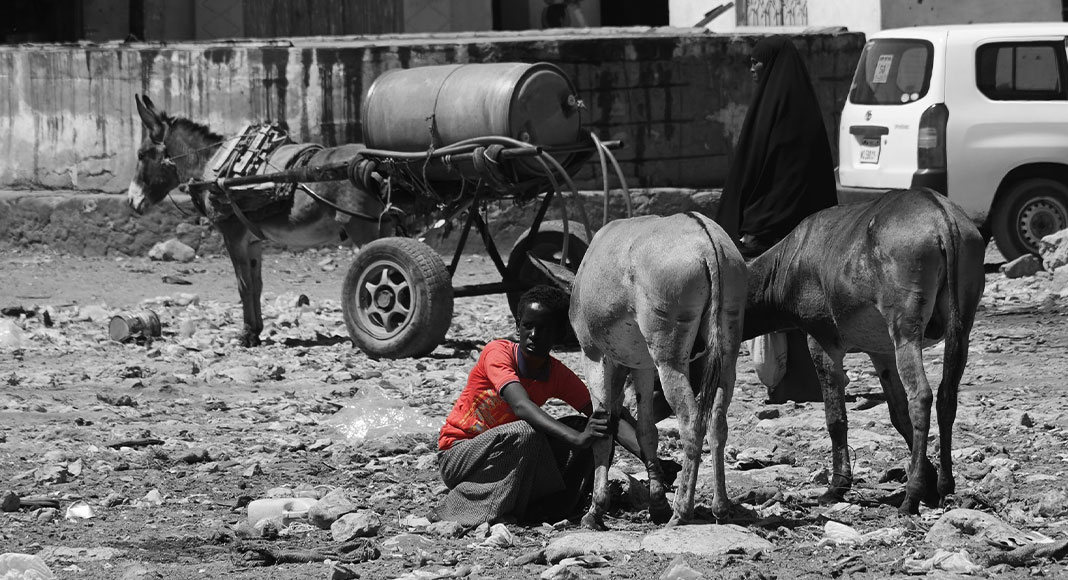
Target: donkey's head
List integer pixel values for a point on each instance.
(156, 173)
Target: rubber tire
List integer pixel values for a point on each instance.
(547, 245)
(1015, 236)
(429, 300)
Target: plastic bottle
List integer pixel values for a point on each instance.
(290, 509)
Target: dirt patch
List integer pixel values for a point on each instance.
(233, 424)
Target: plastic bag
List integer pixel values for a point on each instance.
(10, 334)
(23, 567)
(373, 415)
(769, 357)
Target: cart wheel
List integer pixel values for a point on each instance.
(548, 245)
(397, 298)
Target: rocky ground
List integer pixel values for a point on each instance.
(138, 460)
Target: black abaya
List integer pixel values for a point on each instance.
(782, 169)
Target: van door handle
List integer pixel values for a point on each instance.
(869, 130)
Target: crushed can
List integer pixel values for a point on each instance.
(127, 325)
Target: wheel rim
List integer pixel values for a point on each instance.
(384, 300)
(1041, 217)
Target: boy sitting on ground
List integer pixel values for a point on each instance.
(501, 455)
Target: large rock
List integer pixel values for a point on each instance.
(964, 527)
(1025, 265)
(1054, 250)
(704, 540)
(582, 543)
(362, 524)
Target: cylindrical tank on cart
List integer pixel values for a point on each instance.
(415, 109)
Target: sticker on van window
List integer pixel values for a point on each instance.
(882, 69)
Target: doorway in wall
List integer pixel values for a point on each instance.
(634, 13)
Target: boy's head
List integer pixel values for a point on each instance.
(542, 319)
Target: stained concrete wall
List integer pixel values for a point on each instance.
(676, 97)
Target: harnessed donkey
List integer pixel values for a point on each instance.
(175, 150)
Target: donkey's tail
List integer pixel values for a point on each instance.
(711, 372)
(956, 331)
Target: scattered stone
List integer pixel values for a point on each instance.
(705, 540)
(446, 529)
(195, 456)
(10, 502)
(767, 413)
(46, 514)
(1025, 265)
(330, 508)
(172, 250)
(362, 524)
(1054, 250)
(626, 491)
(113, 499)
(152, 498)
(1053, 503)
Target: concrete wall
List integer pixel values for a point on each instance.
(68, 120)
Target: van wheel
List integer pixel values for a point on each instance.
(1032, 209)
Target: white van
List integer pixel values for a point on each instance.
(978, 112)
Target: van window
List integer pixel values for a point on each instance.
(892, 72)
(1021, 71)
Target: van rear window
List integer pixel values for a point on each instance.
(892, 72)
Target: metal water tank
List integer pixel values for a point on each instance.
(413, 109)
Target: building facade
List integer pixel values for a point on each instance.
(865, 16)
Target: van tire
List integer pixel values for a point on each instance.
(1031, 209)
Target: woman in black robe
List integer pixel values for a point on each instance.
(782, 172)
(782, 169)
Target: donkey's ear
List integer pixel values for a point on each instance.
(149, 104)
(149, 117)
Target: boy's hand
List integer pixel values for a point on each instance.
(596, 428)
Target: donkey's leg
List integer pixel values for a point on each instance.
(833, 380)
(255, 258)
(644, 381)
(236, 237)
(956, 358)
(608, 389)
(898, 403)
(910, 368)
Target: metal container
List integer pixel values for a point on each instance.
(127, 325)
(412, 110)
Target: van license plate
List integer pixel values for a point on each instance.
(869, 150)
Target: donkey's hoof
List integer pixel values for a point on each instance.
(722, 513)
(661, 513)
(910, 506)
(593, 522)
(831, 496)
(250, 340)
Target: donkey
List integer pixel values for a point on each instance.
(175, 150)
(888, 278)
(662, 297)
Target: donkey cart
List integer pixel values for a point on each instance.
(444, 142)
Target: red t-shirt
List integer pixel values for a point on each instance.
(480, 406)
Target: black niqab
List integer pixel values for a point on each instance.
(782, 169)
